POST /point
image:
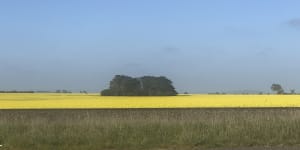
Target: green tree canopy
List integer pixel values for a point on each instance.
(277, 88)
(122, 85)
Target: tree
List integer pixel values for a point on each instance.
(107, 92)
(84, 92)
(65, 91)
(122, 85)
(157, 86)
(277, 88)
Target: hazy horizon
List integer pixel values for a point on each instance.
(202, 46)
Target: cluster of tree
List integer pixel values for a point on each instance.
(84, 92)
(122, 85)
(15, 91)
(279, 90)
(62, 91)
(218, 93)
(44, 92)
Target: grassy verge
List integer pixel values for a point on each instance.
(148, 128)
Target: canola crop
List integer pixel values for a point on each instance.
(85, 101)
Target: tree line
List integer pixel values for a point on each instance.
(15, 91)
(57, 91)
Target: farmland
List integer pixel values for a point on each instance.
(91, 121)
(83, 101)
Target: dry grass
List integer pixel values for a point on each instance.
(148, 128)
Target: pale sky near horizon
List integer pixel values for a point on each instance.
(201, 45)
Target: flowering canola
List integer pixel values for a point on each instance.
(82, 101)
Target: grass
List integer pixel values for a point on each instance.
(148, 128)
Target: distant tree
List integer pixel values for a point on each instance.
(15, 91)
(85, 92)
(157, 86)
(122, 85)
(293, 91)
(62, 91)
(107, 92)
(277, 88)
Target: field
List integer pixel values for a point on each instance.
(151, 129)
(79, 122)
(83, 101)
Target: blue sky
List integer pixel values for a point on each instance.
(201, 45)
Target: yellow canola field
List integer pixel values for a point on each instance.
(61, 101)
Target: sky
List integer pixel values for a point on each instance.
(201, 45)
